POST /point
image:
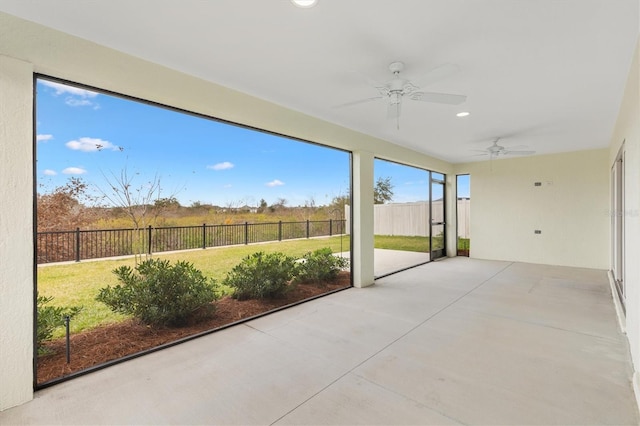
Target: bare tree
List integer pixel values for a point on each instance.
(136, 200)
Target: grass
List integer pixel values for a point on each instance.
(77, 284)
(419, 244)
(463, 243)
(396, 242)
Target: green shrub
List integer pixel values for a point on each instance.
(49, 318)
(158, 293)
(321, 265)
(261, 275)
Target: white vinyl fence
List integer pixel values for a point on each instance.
(413, 218)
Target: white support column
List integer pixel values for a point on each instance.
(362, 229)
(16, 233)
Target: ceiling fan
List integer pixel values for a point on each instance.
(495, 150)
(395, 90)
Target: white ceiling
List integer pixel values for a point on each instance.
(546, 74)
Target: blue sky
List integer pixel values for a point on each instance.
(92, 135)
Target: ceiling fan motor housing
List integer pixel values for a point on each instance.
(396, 67)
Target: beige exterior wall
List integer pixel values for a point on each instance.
(27, 48)
(627, 129)
(570, 208)
(16, 230)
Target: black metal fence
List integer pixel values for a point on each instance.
(62, 246)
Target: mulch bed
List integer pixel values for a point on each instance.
(111, 342)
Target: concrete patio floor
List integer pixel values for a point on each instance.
(388, 261)
(458, 341)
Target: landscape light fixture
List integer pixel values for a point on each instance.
(304, 3)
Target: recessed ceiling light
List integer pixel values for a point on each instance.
(304, 3)
(462, 114)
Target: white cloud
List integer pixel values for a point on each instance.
(43, 138)
(74, 171)
(76, 97)
(71, 90)
(274, 183)
(77, 102)
(90, 145)
(49, 172)
(222, 166)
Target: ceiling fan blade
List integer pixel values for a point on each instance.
(519, 152)
(361, 101)
(439, 98)
(436, 74)
(364, 77)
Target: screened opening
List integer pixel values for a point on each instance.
(152, 223)
(401, 217)
(463, 214)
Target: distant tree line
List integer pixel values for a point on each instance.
(72, 206)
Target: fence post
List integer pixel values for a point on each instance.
(330, 227)
(149, 251)
(307, 228)
(204, 236)
(279, 230)
(77, 244)
(246, 233)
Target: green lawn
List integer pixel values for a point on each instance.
(393, 242)
(420, 244)
(77, 284)
(464, 243)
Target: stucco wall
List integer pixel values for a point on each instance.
(16, 230)
(570, 208)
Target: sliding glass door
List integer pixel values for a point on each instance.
(617, 224)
